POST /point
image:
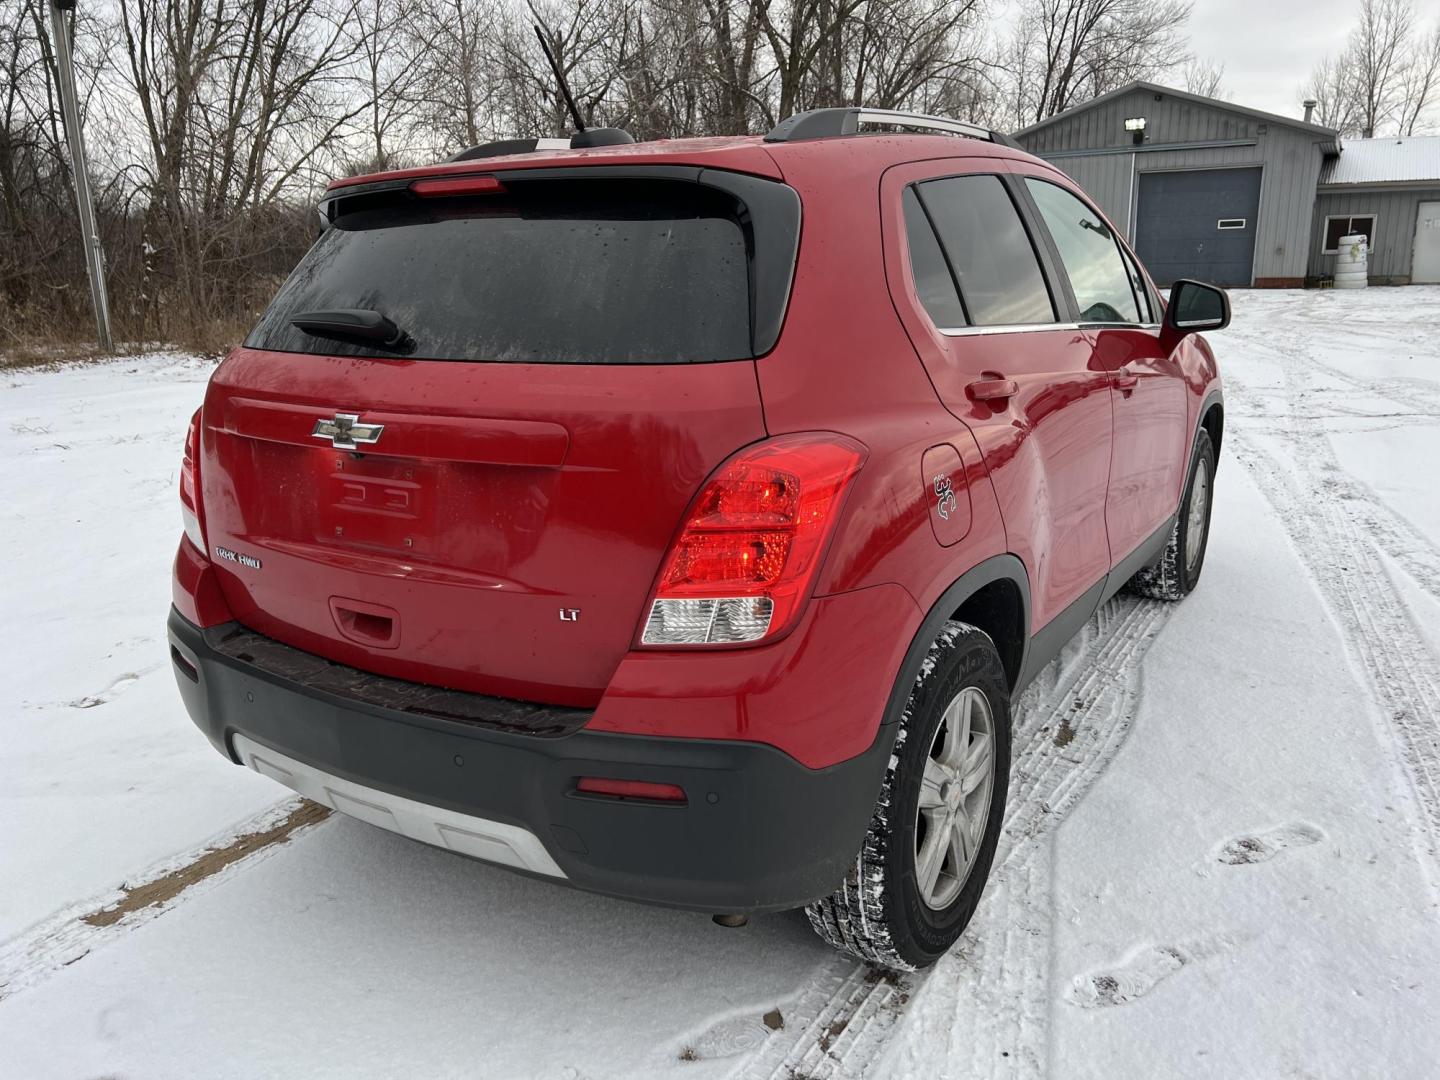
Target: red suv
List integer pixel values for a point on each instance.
(679, 520)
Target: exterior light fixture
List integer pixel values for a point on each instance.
(1136, 126)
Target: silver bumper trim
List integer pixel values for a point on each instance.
(481, 838)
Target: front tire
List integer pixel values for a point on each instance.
(923, 864)
(1178, 570)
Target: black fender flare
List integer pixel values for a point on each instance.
(1004, 567)
(1215, 397)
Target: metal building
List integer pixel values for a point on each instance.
(1213, 190)
(1389, 190)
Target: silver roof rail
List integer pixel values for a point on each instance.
(829, 123)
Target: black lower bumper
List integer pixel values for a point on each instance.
(758, 832)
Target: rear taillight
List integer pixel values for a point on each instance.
(742, 566)
(190, 484)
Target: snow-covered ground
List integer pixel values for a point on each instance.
(1221, 858)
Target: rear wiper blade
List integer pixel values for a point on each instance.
(354, 324)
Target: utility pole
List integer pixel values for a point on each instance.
(89, 234)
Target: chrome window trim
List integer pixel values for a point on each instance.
(1035, 328)
(1008, 328)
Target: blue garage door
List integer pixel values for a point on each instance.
(1198, 224)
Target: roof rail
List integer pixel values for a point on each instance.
(828, 123)
(503, 147)
(580, 141)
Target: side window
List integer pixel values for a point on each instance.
(1336, 227)
(933, 280)
(989, 251)
(1098, 276)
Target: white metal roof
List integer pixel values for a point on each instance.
(1385, 161)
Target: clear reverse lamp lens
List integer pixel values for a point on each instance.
(192, 528)
(708, 621)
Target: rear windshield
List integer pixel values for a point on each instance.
(558, 271)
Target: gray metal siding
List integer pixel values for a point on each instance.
(1291, 159)
(1106, 178)
(1394, 239)
(1169, 120)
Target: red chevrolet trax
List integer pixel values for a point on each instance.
(679, 520)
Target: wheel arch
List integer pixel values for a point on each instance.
(1212, 420)
(993, 596)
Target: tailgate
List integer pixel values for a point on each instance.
(458, 443)
(500, 536)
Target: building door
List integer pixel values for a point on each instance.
(1425, 266)
(1199, 223)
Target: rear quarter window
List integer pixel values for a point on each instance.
(553, 271)
(988, 250)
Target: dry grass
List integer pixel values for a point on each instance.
(211, 340)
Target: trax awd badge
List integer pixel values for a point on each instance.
(345, 432)
(237, 557)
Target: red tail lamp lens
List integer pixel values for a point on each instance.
(630, 789)
(744, 561)
(441, 186)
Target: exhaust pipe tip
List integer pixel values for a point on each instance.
(730, 920)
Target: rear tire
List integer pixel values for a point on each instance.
(920, 871)
(1178, 570)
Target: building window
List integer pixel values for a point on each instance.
(1336, 227)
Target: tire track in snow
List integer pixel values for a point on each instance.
(1415, 551)
(1066, 726)
(1392, 658)
(1339, 529)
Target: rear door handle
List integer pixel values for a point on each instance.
(1126, 381)
(992, 389)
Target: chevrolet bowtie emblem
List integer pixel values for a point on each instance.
(345, 432)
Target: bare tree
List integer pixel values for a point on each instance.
(798, 36)
(733, 64)
(1203, 77)
(1377, 58)
(1386, 79)
(387, 78)
(239, 102)
(1078, 49)
(1420, 83)
(1331, 87)
(218, 119)
(909, 52)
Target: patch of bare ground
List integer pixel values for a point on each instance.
(207, 864)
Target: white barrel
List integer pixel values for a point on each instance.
(1352, 262)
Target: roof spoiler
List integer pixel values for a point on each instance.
(829, 123)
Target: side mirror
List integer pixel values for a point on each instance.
(1195, 306)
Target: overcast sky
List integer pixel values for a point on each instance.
(1269, 46)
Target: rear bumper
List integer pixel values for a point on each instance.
(759, 831)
